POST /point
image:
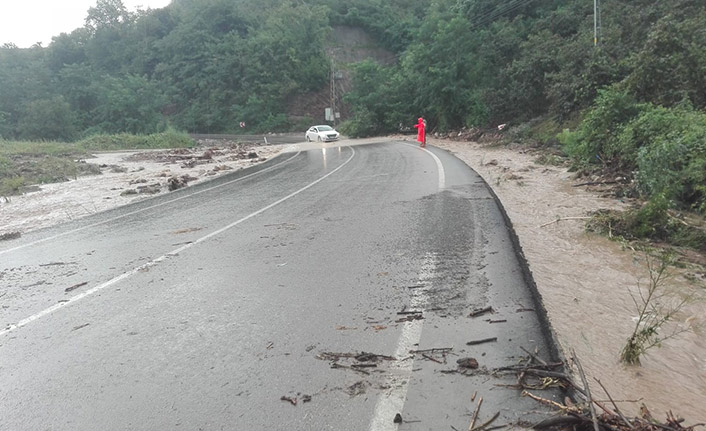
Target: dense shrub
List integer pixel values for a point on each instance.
(673, 160)
(595, 140)
(665, 147)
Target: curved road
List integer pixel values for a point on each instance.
(245, 303)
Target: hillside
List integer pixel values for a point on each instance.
(625, 99)
(348, 45)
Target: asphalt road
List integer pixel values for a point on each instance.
(221, 305)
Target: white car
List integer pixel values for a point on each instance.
(321, 133)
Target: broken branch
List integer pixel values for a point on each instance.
(481, 311)
(484, 340)
(475, 414)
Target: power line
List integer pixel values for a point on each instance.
(503, 10)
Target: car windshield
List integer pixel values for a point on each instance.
(325, 128)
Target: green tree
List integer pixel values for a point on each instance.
(47, 119)
(671, 67)
(129, 104)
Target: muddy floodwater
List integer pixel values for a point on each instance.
(585, 281)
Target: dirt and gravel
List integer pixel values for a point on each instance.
(126, 177)
(585, 280)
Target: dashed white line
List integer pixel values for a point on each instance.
(174, 252)
(392, 402)
(145, 209)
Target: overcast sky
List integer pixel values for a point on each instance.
(25, 22)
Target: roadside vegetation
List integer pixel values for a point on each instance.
(654, 308)
(27, 163)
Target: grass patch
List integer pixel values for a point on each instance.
(124, 141)
(24, 163)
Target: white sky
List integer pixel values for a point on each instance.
(25, 22)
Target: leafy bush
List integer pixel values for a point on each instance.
(673, 161)
(362, 125)
(595, 140)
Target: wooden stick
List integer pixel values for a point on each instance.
(484, 340)
(480, 427)
(544, 400)
(475, 414)
(617, 410)
(435, 349)
(533, 356)
(432, 359)
(476, 313)
(564, 218)
(588, 391)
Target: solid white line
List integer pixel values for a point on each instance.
(392, 402)
(439, 165)
(172, 253)
(146, 208)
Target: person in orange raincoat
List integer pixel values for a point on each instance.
(421, 134)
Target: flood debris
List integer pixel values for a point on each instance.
(10, 235)
(481, 311)
(291, 400)
(357, 362)
(580, 410)
(471, 363)
(294, 400)
(410, 318)
(337, 365)
(482, 341)
(433, 350)
(405, 311)
(76, 328)
(358, 388)
(425, 356)
(75, 286)
(437, 355)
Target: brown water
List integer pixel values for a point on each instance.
(585, 282)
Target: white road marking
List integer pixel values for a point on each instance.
(439, 166)
(145, 209)
(392, 402)
(172, 253)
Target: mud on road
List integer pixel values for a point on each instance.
(126, 177)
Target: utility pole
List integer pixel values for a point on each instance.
(596, 21)
(333, 91)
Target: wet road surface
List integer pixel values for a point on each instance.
(245, 303)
